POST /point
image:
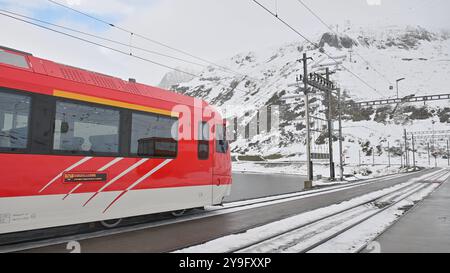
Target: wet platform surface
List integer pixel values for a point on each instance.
(425, 229)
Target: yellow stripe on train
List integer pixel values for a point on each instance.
(86, 98)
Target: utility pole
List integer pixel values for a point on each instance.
(308, 129)
(401, 155)
(330, 126)
(341, 152)
(433, 147)
(429, 158)
(389, 155)
(397, 81)
(406, 150)
(413, 151)
(448, 152)
(359, 165)
(373, 156)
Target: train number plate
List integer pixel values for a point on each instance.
(85, 177)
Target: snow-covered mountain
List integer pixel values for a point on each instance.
(260, 78)
(177, 77)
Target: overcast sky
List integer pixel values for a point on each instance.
(211, 29)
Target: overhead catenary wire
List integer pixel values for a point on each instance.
(332, 30)
(176, 49)
(130, 54)
(157, 42)
(144, 37)
(95, 43)
(102, 38)
(315, 45)
(106, 47)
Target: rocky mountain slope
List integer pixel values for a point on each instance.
(176, 77)
(261, 78)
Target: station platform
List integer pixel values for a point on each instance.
(424, 229)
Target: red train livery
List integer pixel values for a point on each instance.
(78, 146)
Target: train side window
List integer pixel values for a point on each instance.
(221, 139)
(203, 141)
(14, 121)
(81, 128)
(154, 135)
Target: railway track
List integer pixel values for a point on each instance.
(28, 243)
(367, 247)
(308, 237)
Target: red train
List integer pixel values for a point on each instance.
(78, 146)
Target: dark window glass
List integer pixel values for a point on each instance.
(203, 141)
(221, 140)
(82, 128)
(13, 59)
(14, 116)
(154, 135)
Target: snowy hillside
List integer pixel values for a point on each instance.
(414, 52)
(176, 77)
(262, 77)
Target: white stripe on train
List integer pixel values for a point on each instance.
(122, 174)
(137, 182)
(102, 169)
(66, 170)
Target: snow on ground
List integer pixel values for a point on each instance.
(373, 135)
(299, 168)
(356, 238)
(232, 242)
(388, 135)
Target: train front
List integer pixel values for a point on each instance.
(222, 167)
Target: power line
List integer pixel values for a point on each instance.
(199, 58)
(318, 17)
(223, 68)
(130, 54)
(97, 44)
(101, 38)
(107, 47)
(316, 45)
(356, 52)
(285, 23)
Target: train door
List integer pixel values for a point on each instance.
(221, 165)
(205, 154)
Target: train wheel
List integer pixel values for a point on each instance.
(111, 223)
(179, 213)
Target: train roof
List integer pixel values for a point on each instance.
(50, 68)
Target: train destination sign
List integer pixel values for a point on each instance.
(85, 177)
